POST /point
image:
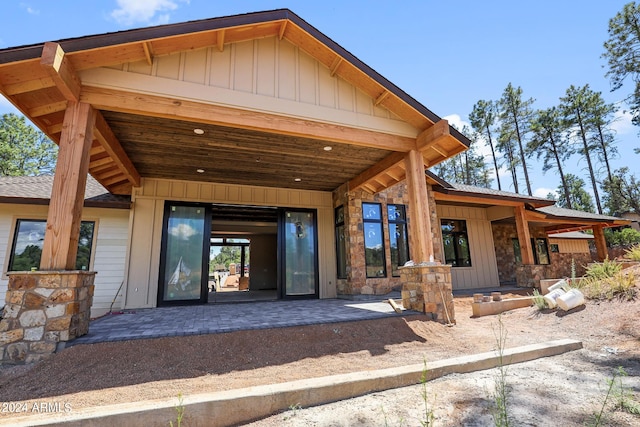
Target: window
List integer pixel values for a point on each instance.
(27, 245)
(540, 251)
(373, 241)
(455, 242)
(398, 241)
(341, 244)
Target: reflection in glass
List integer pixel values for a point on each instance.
(398, 240)
(341, 243)
(183, 256)
(28, 240)
(456, 243)
(300, 259)
(373, 240)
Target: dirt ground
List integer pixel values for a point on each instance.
(563, 390)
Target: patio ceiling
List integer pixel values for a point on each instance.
(137, 135)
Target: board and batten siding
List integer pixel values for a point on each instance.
(266, 75)
(147, 217)
(107, 258)
(571, 246)
(484, 269)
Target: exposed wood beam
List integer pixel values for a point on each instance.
(524, 236)
(124, 189)
(379, 168)
(420, 234)
(335, 64)
(101, 162)
(115, 180)
(109, 173)
(444, 197)
(148, 54)
(112, 146)
(99, 149)
(601, 244)
(171, 108)
(381, 98)
(53, 60)
(60, 244)
(54, 129)
(283, 27)
(438, 150)
(220, 40)
(28, 86)
(43, 110)
(430, 136)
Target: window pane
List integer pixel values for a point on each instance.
(85, 240)
(371, 211)
(399, 247)
(183, 262)
(396, 213)
(341, 252)
(374, 250)
(28, 240)
(456, 243)
(27, 245)
(542, 251)
(516, 251)
(300, 253)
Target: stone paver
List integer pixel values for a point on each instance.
(218, 318)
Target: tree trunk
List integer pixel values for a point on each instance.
(590, 165)
(567, 194)
(524, 164)
(495, 160)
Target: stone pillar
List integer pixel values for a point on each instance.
(44, 308)
(427, 288)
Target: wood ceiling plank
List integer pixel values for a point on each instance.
(28, 86)
(48, 109)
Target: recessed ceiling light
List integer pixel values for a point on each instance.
(297, 179)
(200, 170)
(328, 148)
(198, 131)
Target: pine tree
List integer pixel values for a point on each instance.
(483, 118)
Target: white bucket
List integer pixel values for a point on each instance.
(571, 299)
(561, 284)
(551, 297)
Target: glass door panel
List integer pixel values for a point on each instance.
(300, 260)
(183, 260)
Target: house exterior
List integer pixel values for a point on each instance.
(254, 125)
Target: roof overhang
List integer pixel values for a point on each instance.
(41, 79)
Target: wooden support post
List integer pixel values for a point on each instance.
(524, 237)
(420, 234)
(601, 243)
(60, 244)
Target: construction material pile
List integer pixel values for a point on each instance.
(563, 296)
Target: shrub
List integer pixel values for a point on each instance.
(624, 237)
(620, 285)
(539, 300)
(602, 270)
(633, 253)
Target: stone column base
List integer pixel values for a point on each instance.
(43, 308)
(529, 276)
(428, 289)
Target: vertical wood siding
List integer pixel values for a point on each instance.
(484, 270)
(109, 250)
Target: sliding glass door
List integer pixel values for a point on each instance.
(184, 264)
(298, 234)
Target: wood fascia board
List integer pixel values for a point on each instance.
(61, 71)
(112, 146)
(171, 108)
(389, 162)
(452, 197)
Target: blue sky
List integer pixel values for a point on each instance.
(445, 54)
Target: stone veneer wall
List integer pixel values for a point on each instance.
(42, 309)
(357, 282)
(530, 275)
(428, 289)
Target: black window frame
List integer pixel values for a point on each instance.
(456, 235)
(369, 221)
(402, 221)
(341, 243)
(517, 251)
(16, 232)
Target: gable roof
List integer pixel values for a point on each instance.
(40, 79)
(37, 190)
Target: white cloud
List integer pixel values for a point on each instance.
(30, 10)
(622, 123)
(542, 192)
(182, 231)
(153, 12)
